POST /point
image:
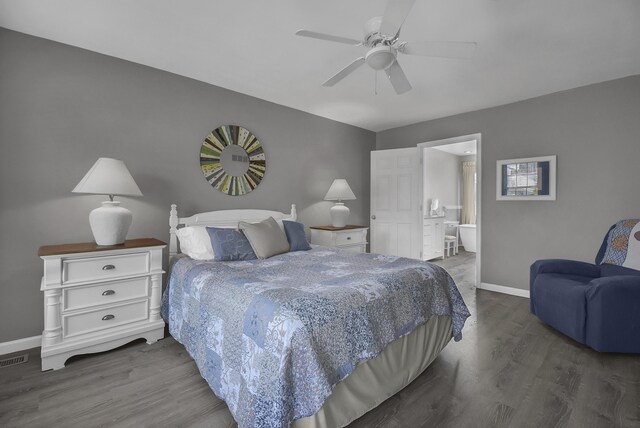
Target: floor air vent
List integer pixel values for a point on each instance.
(14, 361)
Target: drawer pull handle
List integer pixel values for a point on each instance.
(108, 317)
(108, 293)
(108, 267)
(348, 238)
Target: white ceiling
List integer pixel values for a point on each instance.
(526, 48)
(464, 148)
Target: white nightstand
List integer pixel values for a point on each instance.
(350, 238)
(99, 297)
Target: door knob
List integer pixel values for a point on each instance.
(373, 217)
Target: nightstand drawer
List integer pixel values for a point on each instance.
(354, 248)
(349, 238)
(105, 293)
(100, 268)
(87, 322)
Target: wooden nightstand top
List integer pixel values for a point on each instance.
(89, 247)
(347, 227)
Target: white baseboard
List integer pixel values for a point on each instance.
(505, 290)
(20, 345)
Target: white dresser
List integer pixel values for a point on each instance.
(433, 238)
(98, 298)
(350, 238)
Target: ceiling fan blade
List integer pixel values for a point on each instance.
(329, 37)
(394, 16)
(344, 72)
(460, 50)
(398, 79)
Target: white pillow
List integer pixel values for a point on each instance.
(195, 242)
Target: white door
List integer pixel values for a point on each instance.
(396, 220)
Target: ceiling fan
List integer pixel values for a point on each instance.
(382, 38)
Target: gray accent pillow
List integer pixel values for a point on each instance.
(266, 238)
(296, 236)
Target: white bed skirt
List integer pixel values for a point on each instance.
(375, 380)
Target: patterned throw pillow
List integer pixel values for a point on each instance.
(230, 245)
(296, 236)
(623, 244)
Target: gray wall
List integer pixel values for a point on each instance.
(62, 107)
(594, 131)
(440, 178)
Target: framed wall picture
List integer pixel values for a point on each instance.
(527, 179)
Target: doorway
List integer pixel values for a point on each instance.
(451, 201)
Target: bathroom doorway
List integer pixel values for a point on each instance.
(451, 189)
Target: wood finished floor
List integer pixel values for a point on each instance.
(510, 370)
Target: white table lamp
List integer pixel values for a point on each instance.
(110, 222)
(339, 191)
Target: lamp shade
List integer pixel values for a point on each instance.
(108, 177)
(339, 191)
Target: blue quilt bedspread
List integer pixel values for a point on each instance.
(272, 337)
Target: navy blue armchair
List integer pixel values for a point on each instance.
(595, 304)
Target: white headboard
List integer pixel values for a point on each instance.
(223, 218)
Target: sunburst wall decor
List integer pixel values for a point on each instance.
(232, 160)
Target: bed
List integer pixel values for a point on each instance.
(309, 338)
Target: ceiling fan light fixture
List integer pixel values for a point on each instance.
(381, 36)
(380, 57)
